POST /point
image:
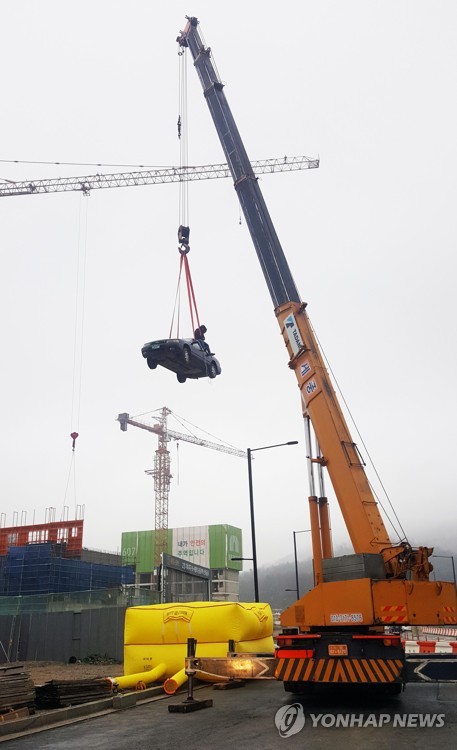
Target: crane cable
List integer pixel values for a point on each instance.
(183, 137)
(401, 536)
(78, 341)
(183, 207)
(176, 307)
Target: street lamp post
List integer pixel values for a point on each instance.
(251, 507)
(303, 531)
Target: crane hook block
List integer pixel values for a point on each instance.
(183, 239)
(74, 435)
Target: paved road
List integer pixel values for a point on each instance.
(244, 719)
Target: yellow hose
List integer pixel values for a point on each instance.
(173, 683)
(132, 680)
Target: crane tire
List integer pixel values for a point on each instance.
(299, 688)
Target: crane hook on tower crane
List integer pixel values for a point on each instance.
(74, 435)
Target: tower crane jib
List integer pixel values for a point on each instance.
(87, 183)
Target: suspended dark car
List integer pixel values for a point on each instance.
(188, 358)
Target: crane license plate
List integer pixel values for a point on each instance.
(337, 649)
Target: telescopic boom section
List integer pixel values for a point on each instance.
(339, 452)
(269, 251)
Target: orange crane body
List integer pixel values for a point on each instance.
(343, 462)
(360, 511)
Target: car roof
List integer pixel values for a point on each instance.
(173, 338)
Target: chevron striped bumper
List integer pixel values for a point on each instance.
(339, 670)
(340, 658)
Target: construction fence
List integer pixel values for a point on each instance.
(60, 627)
(62, 636)
(63, 625)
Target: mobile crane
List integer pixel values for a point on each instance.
(336, 633)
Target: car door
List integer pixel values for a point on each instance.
(199, 355)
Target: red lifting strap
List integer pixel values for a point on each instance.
(190, 294)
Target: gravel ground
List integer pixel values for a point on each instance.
(44, 671)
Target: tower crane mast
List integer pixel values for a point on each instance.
(161, 471)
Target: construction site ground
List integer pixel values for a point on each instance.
(44, 671)
(245, 719)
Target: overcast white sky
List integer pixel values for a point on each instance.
(370, 238)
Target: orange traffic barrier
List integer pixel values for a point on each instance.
(426, 647)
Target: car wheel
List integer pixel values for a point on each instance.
(186, 355)
(181, 378)
(151, 364)
(212, 370)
